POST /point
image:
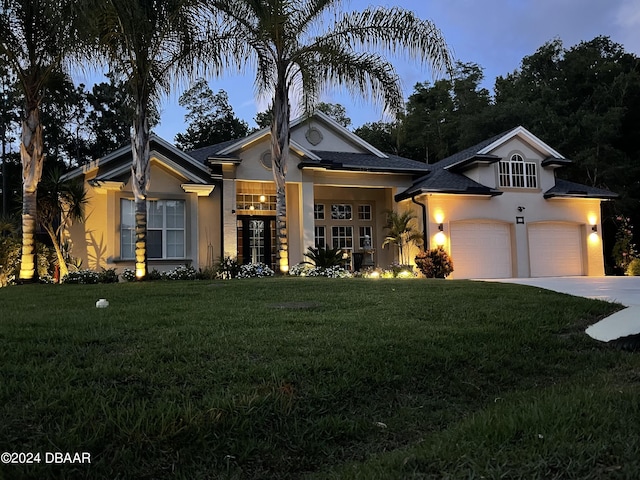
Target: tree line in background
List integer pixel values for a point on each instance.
(584, 101)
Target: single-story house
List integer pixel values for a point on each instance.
(496, 207)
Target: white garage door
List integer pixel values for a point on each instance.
(555, 249)
(481, 250)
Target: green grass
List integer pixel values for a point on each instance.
(295, 378)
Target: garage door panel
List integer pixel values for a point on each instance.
(555, 250)
(481, 250)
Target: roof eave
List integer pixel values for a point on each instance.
(451, 191)
(604, 196)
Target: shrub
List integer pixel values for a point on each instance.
(82, 277)
(227, 268)
(324, 257)
(9, 260)
(108, 275)
(182, 272)
(129, 275)
(255, 270)
(435, 263)
(329, 272)
(300, 270)
(207, 273)
(633, 270)
(624, 250)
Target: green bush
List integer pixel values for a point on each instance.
(435, 263)
(633, 270)
(227, 268)
(324, 257)
(108, 275)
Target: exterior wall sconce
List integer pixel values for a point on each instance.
(263, 198)
(521, 209)
(594, 228)
(441, 227)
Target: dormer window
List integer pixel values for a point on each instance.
(516, 173)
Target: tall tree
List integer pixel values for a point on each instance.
(293, 53)
(36, 36)
(211, 118)
(335, 111)
(150, 45)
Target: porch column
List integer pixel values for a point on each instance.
(306, 216)
(229, 220)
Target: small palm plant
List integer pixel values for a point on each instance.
(60, 202)
(324, 257)
(401, 231)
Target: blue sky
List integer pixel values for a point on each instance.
(496, 34)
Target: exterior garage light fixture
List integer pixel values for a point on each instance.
(594, 228)
(441, 227)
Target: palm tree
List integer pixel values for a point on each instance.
(293, 53)
(36, 37)
(401, 231)
(60, 201)
(151, 45)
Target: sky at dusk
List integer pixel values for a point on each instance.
(496, 34)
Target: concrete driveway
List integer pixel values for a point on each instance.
(624, 290)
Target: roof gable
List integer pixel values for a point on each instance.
(117, 165)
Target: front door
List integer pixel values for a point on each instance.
(256, 240)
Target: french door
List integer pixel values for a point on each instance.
(256, 240)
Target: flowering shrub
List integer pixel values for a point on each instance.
(128, 275)
(46, 279)
(300, 270)
(227, 268)
(255, 270)
(435, 263)
(82, 277)
(624, 250)
(633, 270)
(329, 272)
(305, 269)
(183, 272)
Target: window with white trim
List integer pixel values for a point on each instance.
(165, 229)
(517, 173)
(321, 236)
(318, 211)
(341, 211)
(342, 237)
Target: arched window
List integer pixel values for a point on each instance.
(516, 173)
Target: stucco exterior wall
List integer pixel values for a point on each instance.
(535, 209)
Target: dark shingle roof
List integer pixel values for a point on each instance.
(365, 162)
(565, 188)
(204, 153)
(444, 181)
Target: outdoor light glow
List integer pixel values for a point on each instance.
(592, 219)
(441, 239)
(439, 217)
(263, 199)
(374, 274)
(594, 238)
(404, 274)
(139, 272)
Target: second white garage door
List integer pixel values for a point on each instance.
(481, 250)
(555, 249)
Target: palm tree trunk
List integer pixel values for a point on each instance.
(63, 270)
(279, 156)
(32, 157)
(140, 177)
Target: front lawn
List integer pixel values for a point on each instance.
(299, 377)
